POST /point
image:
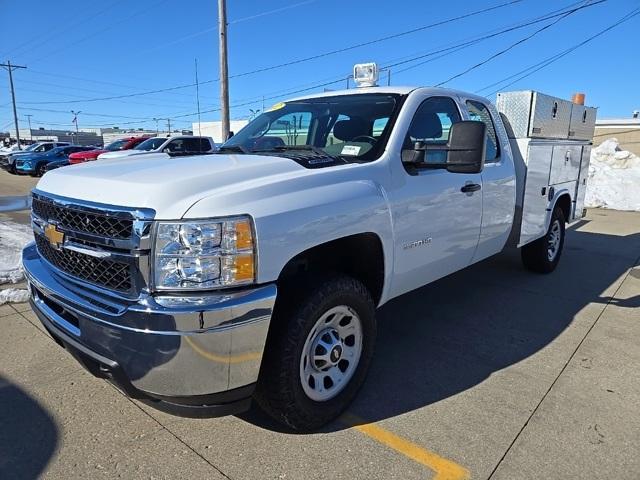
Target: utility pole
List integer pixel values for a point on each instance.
(169, 125)
(10, 68)
(224, 72)
(198, 96)
(75, 120)
(30, 132)
(156, 120)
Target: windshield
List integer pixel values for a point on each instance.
(117, 145)
(348, 126)
(32, 147)
(151, 144)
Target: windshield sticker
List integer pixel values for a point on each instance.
(277, 106)
(350, 150)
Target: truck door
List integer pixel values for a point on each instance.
(498, 182)
(436, 213)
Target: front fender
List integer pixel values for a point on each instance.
(323, 214)
(300, 216)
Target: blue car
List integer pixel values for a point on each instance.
(34, 164)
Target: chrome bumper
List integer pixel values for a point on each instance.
(166, 347)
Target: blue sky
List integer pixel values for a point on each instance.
(77, 51)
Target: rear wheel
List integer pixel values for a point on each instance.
(543, 255)
(319, 350)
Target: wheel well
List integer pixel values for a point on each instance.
(359, 256)
(564, 202)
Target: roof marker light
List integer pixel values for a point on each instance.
(366, 74)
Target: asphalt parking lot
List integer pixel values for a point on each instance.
(492, 372)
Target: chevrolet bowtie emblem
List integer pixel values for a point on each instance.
(55, 236)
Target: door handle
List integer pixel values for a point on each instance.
(471, 187)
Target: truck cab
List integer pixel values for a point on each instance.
(254, 273)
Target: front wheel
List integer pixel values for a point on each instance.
(318, 353)
(543, 255)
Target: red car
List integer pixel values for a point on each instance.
(122, 144)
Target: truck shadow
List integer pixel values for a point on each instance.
(29, 436)
(450, 336)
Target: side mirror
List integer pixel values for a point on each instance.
(466, 148)
(415, 155)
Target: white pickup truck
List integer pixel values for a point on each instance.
(201, 283)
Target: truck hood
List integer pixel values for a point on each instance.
(170, 186)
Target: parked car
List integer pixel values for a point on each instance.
(117, 146)
(200, 284)
(7, 162)
(56, 164)
(34, 163)
(183, 145)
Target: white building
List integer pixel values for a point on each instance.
(214, 129)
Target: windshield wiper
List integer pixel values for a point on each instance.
(233, 148)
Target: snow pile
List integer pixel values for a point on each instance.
(614, 178)
(13, 295)
(13, 237)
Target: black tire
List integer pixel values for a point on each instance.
(537, 256)
(39, 170)
(279, 391)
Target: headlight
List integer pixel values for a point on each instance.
(204, 254)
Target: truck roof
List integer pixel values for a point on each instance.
(390, 89)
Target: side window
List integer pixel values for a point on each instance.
(175, 145)
(480, 113)
(432, 124)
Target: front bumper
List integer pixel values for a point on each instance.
(189, 355)
(22, 168)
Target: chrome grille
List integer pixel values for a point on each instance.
(83, 221)
(98, 271)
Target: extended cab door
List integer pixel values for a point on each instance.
(498, 181)
(436, 213)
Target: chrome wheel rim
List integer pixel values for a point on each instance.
(553, 242)
(331, 353)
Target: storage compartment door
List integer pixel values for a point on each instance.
(550, 117)
(565, 165)
(582, 182)
(583, 122)
(534, 207)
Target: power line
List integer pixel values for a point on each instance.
(94, 33)
(66, 27)
(459, 46)
(297, 61)
(519, 42)
(233, 22)
(554, 58)
(334, 80)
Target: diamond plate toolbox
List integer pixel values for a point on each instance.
(535, 115)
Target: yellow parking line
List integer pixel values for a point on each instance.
(444, 469)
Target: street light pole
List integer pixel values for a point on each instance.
(30, 132)
(224, 73)
(10, 69)
(75, 120)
